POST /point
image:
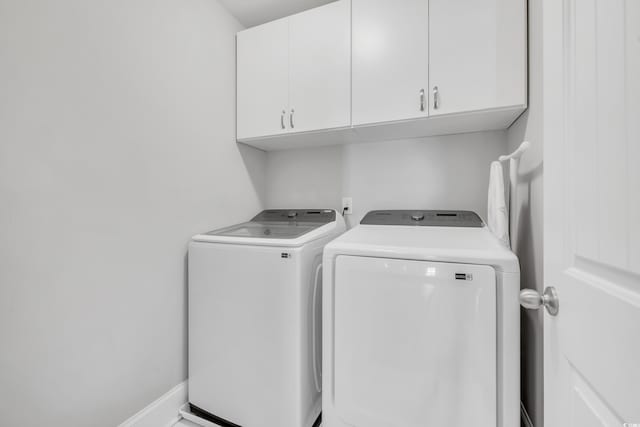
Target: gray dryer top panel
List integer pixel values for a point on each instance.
(423, 218)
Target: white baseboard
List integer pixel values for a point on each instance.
(164, 412)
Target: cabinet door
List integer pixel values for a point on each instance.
(390, 60)
(320, 68)
(477, 55)
(262, 82)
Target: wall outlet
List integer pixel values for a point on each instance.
(347, 205)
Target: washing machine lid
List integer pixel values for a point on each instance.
(385, 238)
(276, 227)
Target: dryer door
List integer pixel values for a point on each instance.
(415, 343)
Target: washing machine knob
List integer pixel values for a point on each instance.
(417, 217)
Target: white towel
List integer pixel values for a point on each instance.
(498, 213)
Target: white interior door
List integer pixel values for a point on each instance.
(592, 211)
(390, 60)
(320, 68)
(477, 55)
(263, 80)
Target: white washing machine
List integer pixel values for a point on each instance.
(255, 319)
(421, 324)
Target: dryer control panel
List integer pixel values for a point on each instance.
(432, 218)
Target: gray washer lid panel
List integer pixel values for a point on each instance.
(279, 224)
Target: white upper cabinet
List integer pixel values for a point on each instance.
(262, 80)
(294, 74)
(369, 70)
(320, 68)
(390, 60)
(477, 55)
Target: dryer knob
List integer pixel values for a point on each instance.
(417, 217)
(292, 214)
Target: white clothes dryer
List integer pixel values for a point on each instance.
(255, 319)
(421, 324)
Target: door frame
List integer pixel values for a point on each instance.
(554, 132)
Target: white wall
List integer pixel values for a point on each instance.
(448, 172)
(116, 145)
(527, 217)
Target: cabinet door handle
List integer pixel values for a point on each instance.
(421, 99)
(282, 119)
(291, 118)
(436, 98)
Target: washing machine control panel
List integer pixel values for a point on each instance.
(432, 218)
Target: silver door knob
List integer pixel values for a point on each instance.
(532, 300)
